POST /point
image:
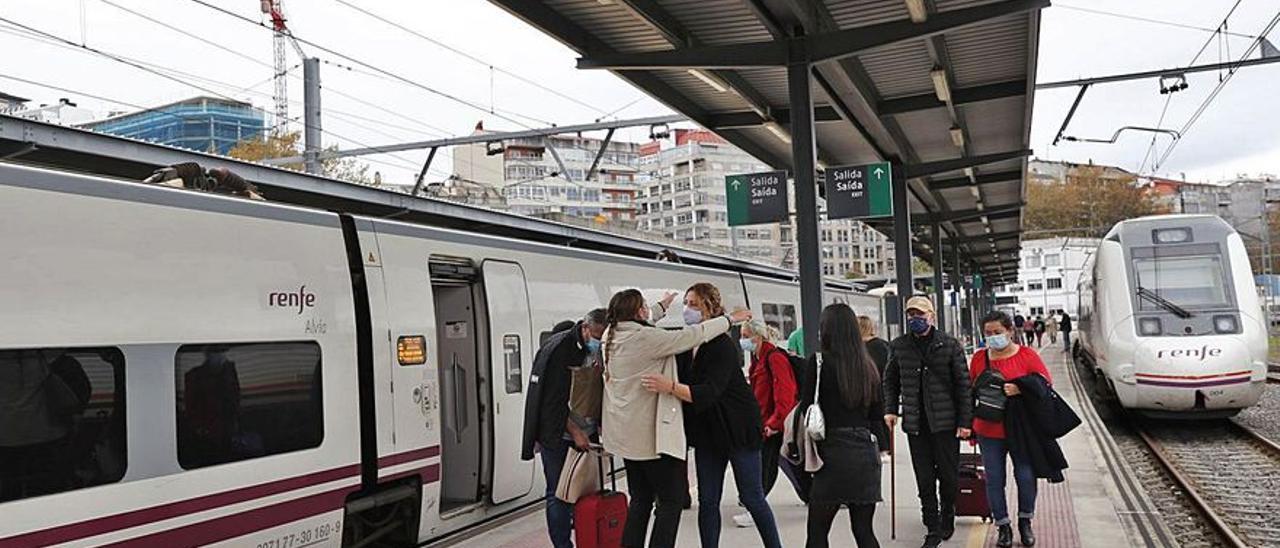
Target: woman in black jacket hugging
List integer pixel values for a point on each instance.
(848, 392)
(722, 422)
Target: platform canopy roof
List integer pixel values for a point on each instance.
(942, 88)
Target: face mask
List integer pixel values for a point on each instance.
(998, 342)
(918, 325)
(593, 345)
(692, 316)
(748, 345)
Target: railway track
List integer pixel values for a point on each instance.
(1229, 472)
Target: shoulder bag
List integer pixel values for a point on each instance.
(815, 423)
(579, 476)
(988, 393)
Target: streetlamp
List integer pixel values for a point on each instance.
(1044, 283)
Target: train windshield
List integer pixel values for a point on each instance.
(1187, 281)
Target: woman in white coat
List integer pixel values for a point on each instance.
(645, 428)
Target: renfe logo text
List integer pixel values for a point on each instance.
(1202, 353)
(300, 299)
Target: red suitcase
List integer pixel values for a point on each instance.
(972, 498)
(598, 518)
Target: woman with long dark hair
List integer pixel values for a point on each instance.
(846, 384)
(643, 427)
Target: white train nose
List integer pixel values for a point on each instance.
(1213, 373)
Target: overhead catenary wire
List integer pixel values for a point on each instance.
(237, 89)
(188, 33)
(1151, 148)
(366, 64)
(108, 55)
(1148, 19)
(473, 58)
(1216, 90)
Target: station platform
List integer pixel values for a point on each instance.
(1088, 510)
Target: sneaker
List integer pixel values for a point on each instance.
(744, 520)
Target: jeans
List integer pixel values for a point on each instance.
(935, 458)
(993, 460)
(747, 475)
(658, 487)
(861, 518)
(559, 512)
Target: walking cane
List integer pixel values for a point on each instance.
(893, 488)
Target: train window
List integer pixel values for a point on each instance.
(1186, 281)
(62, 422)
(243, 401)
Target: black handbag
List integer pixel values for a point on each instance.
(989, 398)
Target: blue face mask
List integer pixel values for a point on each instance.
(998, 342)
(692, 316)
(748, 345)
(593, 345)
(918, 325)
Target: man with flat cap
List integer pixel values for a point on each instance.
(927, 384)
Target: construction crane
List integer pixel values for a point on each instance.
(275, 10)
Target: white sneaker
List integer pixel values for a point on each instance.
(744, 520)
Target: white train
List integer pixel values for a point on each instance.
(1170, 319)
(273, 376)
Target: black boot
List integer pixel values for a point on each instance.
(1004, 536)
(947, 524)
(1025, 533)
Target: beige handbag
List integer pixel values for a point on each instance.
(580, 475)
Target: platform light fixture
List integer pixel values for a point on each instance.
(941, 86)
(709, 80)
(778, 131)
(915, 8)
(957, 137)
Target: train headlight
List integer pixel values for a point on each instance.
(1149, 327)
(1171, 235)
(1225, 324)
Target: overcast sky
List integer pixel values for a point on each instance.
(1238, 132)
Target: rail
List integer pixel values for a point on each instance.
(1215, 476)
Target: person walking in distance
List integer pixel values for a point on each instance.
(722, 420)
(1040, 329)
(775, 388)
(843, 380)
(1018, 322)
(1011, 361)
(644, 427)
(1065, 324)
(548, 425)
(927, 383)
(1051, 327)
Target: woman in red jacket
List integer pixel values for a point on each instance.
(1012, 361)
(775, 389)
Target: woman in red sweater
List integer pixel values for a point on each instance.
(775, 388)
(1012, 361)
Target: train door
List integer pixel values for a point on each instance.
(510, 344)
(454, 282)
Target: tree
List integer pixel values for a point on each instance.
(919, 266)
(289, 144)
(1088, 203)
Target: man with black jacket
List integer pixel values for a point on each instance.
(547, 421)
(928, 378)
